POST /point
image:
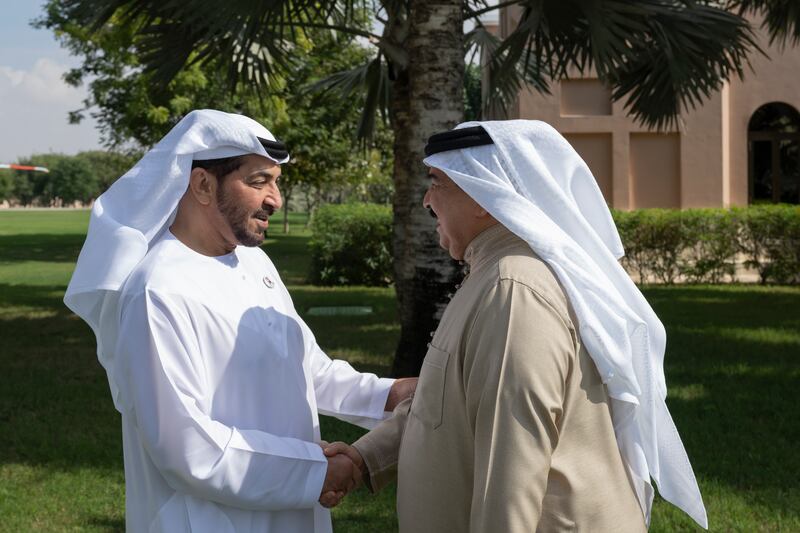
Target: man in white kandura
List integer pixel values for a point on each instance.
(218, 380)
(540, 404)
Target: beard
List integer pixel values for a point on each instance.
(238, 218)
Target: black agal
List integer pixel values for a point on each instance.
(457, 139)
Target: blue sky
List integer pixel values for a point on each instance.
(34, 100)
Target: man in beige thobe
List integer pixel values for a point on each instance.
(511, 427)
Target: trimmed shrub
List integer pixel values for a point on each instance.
(770, 237)
(701, 245)
(711, 238)
(351, 245)
(653, 241)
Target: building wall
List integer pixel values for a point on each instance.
(701, 162)
(775, 78)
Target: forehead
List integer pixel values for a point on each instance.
(438, 174)
(253, 163)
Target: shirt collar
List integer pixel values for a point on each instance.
(489, 245)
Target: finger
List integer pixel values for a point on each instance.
(324, 444)
(331, 499)
(327, 503)
(335, 449)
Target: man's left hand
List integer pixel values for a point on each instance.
(402, 388)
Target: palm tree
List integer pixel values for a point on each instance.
(659, 56)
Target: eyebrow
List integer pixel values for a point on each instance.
(261, 174)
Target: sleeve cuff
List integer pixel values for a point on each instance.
(378, 403)
(316, 476)
(377, 475)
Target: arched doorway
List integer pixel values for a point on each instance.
(774, 154)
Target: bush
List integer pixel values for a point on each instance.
(711, 237)
(770, 237)
(653, 241)
(351, 245)
(701, 245)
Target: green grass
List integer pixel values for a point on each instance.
(732, 369)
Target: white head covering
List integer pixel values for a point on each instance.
(535, 184)
(138, 207)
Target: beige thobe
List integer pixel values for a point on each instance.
(510, 428)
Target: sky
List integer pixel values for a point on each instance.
(34, 100)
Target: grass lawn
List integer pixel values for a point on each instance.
(732, 364)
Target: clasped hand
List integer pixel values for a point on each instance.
(344, 474)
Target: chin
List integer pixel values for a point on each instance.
(250, 239)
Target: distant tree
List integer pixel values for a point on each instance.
(108, 166)
(6, 184)
(72, 180)
(22, 188)
(36, 188)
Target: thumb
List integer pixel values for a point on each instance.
(336, 448)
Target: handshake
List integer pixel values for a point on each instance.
(345, 472)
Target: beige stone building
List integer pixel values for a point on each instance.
(741, 147)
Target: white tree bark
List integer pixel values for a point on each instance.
(427, 98)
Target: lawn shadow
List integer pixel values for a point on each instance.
(116, 525)
(732, 375)
(55, 407)
(41, 247)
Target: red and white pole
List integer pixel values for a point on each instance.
(14, 166)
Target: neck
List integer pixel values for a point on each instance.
(194, 228)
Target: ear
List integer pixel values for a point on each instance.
(202, 186)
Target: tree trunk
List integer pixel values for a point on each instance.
(287, 196)
(427, 97)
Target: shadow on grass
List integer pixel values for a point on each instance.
(733, 368)
(116, 525)
(55, 407)
(41, 247)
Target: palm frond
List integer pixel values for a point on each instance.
(781, 18)
(254, 37)
(661, 56)
(370, 81)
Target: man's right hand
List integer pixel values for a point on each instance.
(336, 483)
(342, 448)
(342, 477)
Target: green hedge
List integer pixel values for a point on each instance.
(351, 245)
(701, 245)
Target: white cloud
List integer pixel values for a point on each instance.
(33, 112)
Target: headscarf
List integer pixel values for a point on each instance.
(133, 213)
(534, 183)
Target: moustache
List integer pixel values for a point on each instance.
(265, 212)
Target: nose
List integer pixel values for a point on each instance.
(273, 198)
(426, 202)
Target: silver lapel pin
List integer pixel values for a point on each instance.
(268, 282)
